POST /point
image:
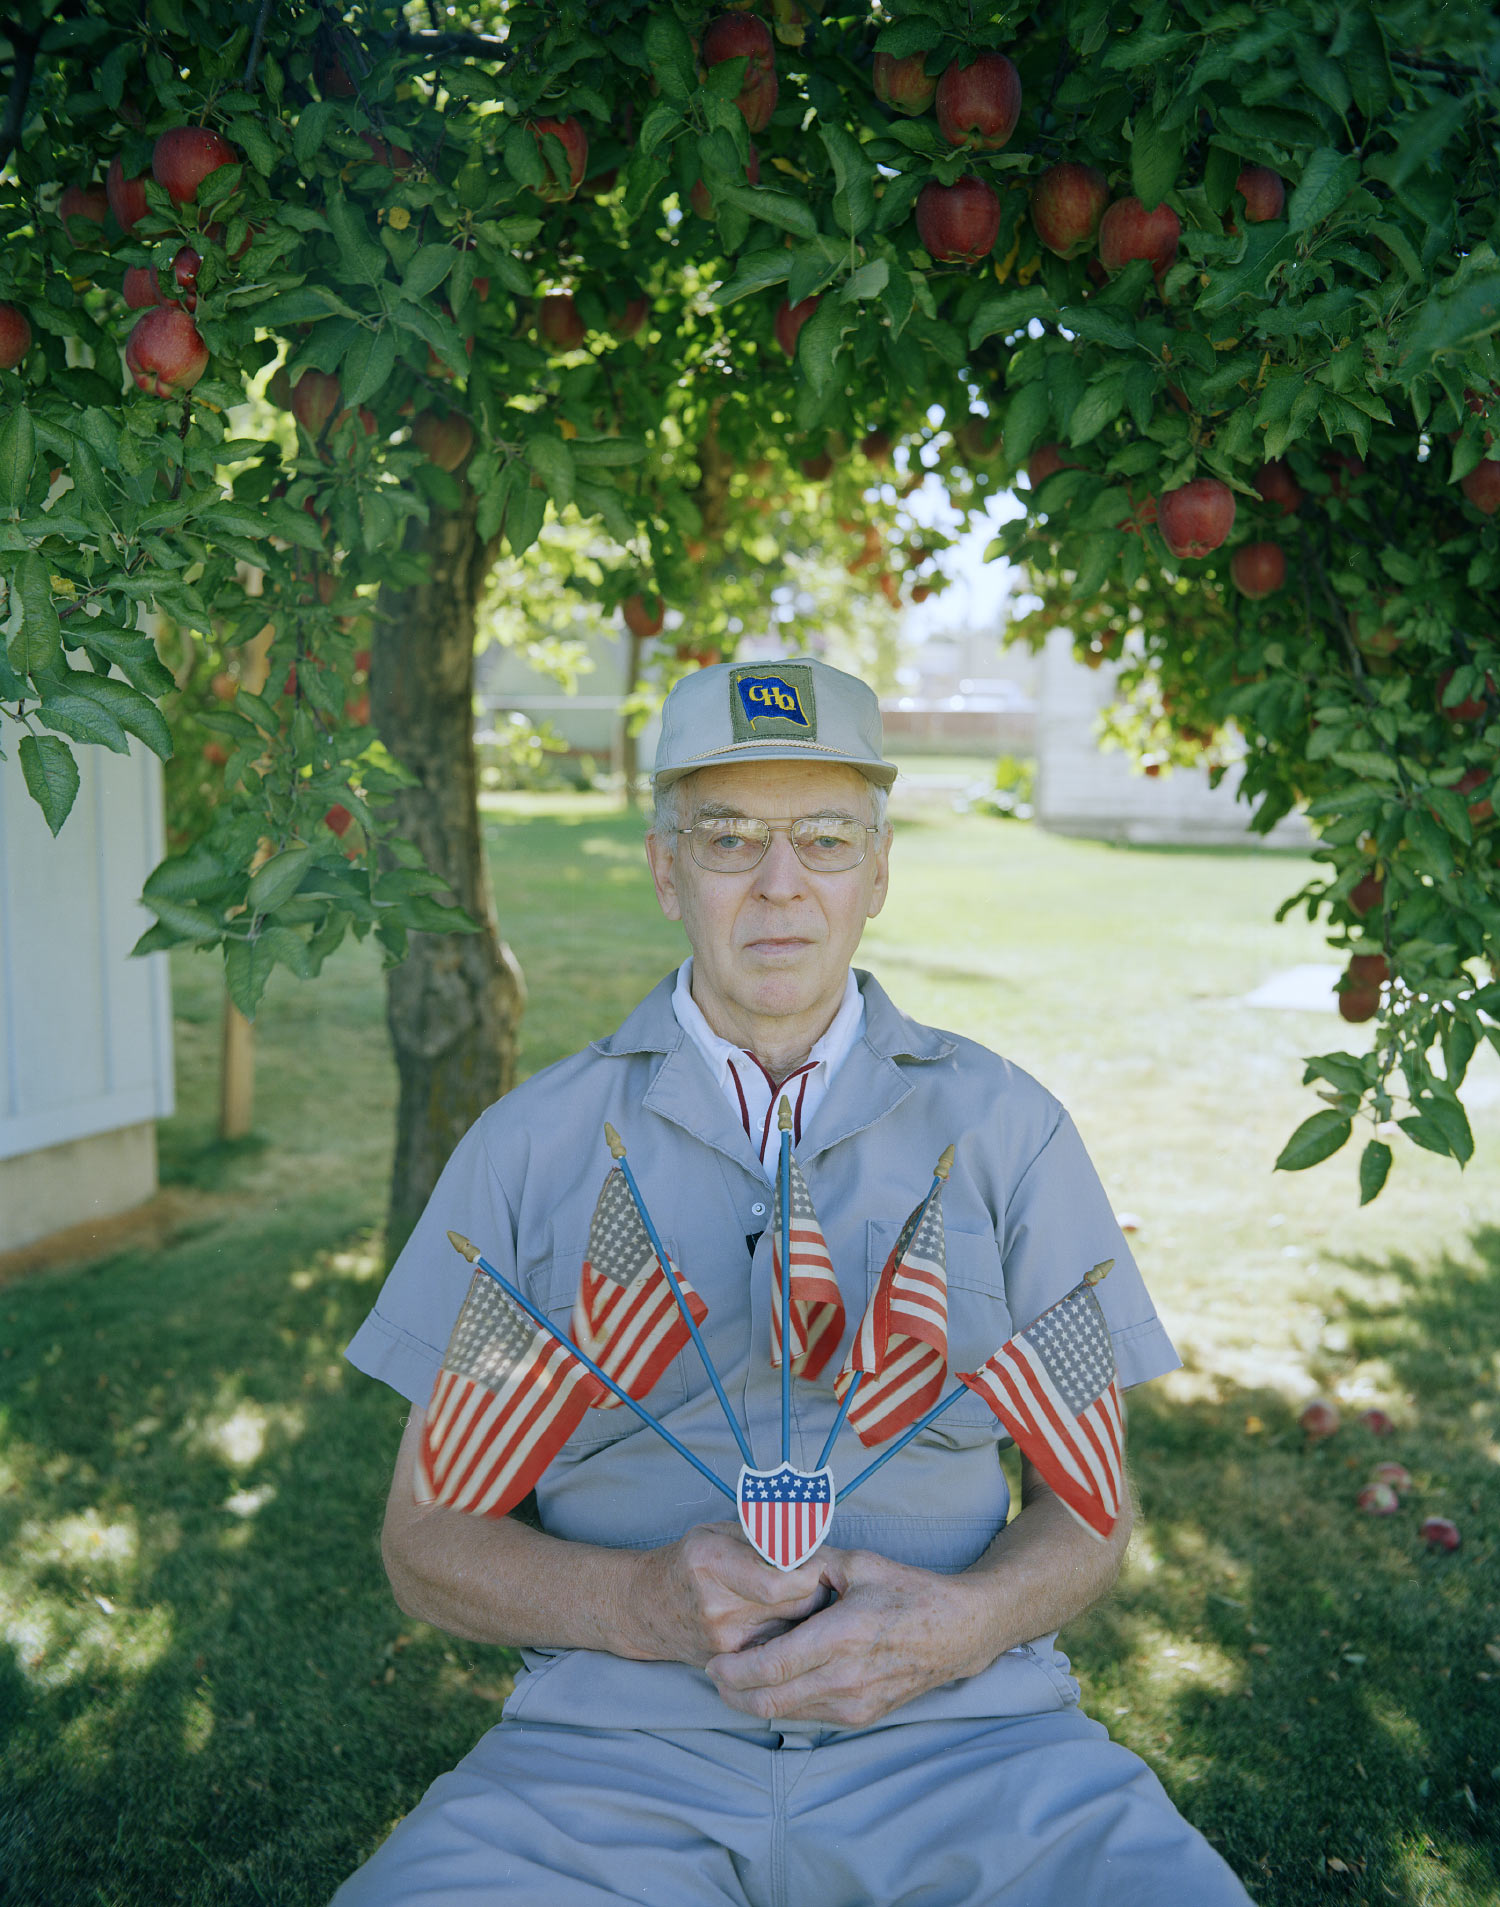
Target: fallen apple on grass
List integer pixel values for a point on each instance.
(1439, 1533)
(1319, 1419)
(1378, 1499)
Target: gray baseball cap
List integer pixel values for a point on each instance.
(798, 710)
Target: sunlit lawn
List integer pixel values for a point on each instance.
(206, 1693)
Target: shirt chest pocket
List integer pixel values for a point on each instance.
(609, 1425)
(978, 1323)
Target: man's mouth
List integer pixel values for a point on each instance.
(773, 945)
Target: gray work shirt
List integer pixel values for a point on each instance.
(1025, 1216)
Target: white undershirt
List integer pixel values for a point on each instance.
(747, 1085)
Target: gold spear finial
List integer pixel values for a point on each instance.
(1098, 1272)
(944, 1165)
(462, 1246)
(784, 1115)
(613, 1140)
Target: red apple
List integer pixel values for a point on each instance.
(1358, 1004)
(1482, 486)
(558, 321)
(315, 399)
(332, 75)
(644, 615)
(1067, 203)
(817, 468)
(790, 320)
(1365, 894)
(15, 336)
(1368, 970)
(979, 439)
(575, 144)
(877, 445)
(1263, 193)
(1043, 462)
(1470, 709)
(1395, 1474)
(920, 592)
(1438, 1533)
(1380, 1425)
(225, 686)
(1378, 1499)
(216, 753)
(127, 197)
(339, 819)
(1197, 517)
(362, 660)
(1277, 485)
(702, 200)
(1342, 469)
(383, 153)
(141, 288)
(978, 104)
(1127, 230)
(87, 202)
(1319, 1419)
(625, 324)
(904, 85)
(1258, 569)
(446, 440)
(958, 223)
(735, 36)
(184, 156)
(357, 708)
(165, 353)
(1476, 778)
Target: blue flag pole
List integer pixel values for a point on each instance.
(838, 1422)
(475, 1257)
(617, 1149)
(784, 1186)
(846, 1490)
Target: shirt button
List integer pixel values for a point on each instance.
(757, 1210)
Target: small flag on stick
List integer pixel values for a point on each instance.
(507, 1398)
(626, 1316)
(817, 1308)
(1053, 1386)
(899, 1356)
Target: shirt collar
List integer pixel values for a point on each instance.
(831, 1049)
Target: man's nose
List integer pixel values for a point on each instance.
(780, 874)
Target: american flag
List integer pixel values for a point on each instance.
(1054, 1389)
(901, 1346)
(786, 1512)
(817, 1308)
(508, 1396)
(625, 1316)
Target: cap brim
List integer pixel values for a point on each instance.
(882, 773)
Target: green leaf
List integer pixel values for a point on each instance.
(427, 270)
(775, 208)
(278, 879)
(1099, 327)
(869, 281)
(137, 714)
(670, 53)
(1374, 1165)
(1100, 404)
(854, 175)
(755, 273)
(51, 776)
(17, 454)
(819, 341)
(663, 120)
(1427, 1133)
(310, 131)
(1444, 325)
(1327, 180)
(247, 968)
(524, 518)
(196, 875)
(371, 358)
(363, 257)
(38, 645)
(1009, 311)
(1026, 417)
(552, 461)
(608, 450)
(1314, 1140)
(1155, 154)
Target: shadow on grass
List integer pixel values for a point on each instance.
(208, 1696)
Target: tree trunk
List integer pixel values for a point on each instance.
(630, 762)
(454, 1003)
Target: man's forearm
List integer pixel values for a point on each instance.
(1042, 1570)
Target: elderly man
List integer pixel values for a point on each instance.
(889, 1722)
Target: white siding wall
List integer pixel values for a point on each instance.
(85, 1032)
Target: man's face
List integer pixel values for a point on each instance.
(774, 942)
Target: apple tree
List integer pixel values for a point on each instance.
(649, 265)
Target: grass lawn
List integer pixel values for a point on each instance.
(207, 1695)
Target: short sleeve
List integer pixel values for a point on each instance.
(403, 1339)
(1057, 1224)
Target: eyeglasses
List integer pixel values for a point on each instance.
(737, 843)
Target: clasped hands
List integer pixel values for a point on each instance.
(844, 1639)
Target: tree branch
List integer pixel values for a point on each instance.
(421, 40)
(252, 59)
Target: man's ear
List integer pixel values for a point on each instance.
(663, 860)
(882, 873)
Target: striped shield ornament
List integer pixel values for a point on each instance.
(785, 1512)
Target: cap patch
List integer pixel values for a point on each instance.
(769, 703)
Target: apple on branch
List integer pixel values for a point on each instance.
(1481, 486)
(90, 203)
(1258, 569)
(575, 145)
(165, 353)
(1067, 203)
(978, 104)
(15, 336)
(1195, 518)
(904, 85)
(559, 321)
(959, 223)
(702, 200)
(644, 615)
(127, 197)
(1277, 485)
(1128, 231)
(447, 441)
(734, 36)
(184, 156)
(315, 398)
(790, 320)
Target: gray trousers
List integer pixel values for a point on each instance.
(1030, 1811)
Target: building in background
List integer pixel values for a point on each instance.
(85, 1031)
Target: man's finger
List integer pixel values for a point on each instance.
(774, 1664)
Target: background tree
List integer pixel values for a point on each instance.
(1222, 279)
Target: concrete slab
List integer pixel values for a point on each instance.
(1306, 989)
